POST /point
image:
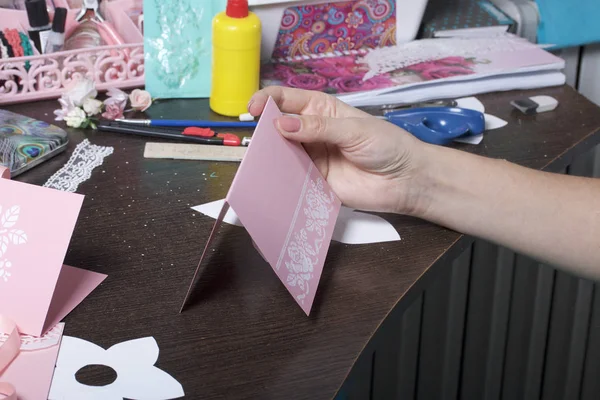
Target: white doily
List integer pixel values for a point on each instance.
(79, 168)
(51, 338)
(387, 59)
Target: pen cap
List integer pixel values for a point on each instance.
(37, 13)
(60, 18)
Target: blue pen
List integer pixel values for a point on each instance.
(183, 123)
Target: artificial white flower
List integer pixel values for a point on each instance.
(75, 117)
(66, 106)
(92, 106)
(117, 95)
(81, 90)
(133, 361)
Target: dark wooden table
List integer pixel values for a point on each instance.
(242, 335)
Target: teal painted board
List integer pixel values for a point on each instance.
(178, 47)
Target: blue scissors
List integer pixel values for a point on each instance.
(438, 125)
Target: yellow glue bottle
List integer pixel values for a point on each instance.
(235, 59)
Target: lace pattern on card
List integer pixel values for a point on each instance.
(29, 343)
(303, 243)
(389, 59)
(79, 168)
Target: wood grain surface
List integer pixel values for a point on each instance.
(242, 335)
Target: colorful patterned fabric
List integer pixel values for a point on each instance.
(342, 26)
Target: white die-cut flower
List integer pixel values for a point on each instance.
(132, 360)
(9, 236)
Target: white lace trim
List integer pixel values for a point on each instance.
(387, 59)
(51, 338)
(303, 250)
(79, 168)
(295, 217)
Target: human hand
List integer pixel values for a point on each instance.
(369, 163)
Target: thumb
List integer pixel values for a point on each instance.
(342, 132)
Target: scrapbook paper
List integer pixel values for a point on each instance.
(363, 78)
(286, 206)
(31, 371)
(36, 225)
(336, 26)
(178, 46)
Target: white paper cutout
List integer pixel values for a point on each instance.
(471, 103)
(133, 361)
(491, 121)
(13, 236)
(352, 226)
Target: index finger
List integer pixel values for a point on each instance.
(301, 102)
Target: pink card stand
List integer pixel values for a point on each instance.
(47, 76)
(286, 206)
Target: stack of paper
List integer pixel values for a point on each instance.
(423, 70)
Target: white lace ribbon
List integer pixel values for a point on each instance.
(79, 168)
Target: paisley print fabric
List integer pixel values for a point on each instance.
(341, 26)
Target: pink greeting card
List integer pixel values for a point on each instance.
(286, 206)
(36, 225)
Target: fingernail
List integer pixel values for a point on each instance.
(250, 103)
(290, 124)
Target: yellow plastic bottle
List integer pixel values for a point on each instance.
(235, 59)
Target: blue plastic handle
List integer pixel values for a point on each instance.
(438, 125)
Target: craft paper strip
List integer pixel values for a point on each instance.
(286, 206)
(31, 372)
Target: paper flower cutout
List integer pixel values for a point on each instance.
(133, 361)
(491, 121)
(352, 226)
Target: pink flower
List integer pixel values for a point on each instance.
(282, 72)
(140, 100)
(307, 81)
(66, 105)
(356, 83)
(113, 108)
(444, 72)
(332, 72)
(343, 44)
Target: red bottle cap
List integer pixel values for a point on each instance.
(237, 8)
(230, 139)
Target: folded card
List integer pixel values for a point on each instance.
(36, 224)
(286, 206)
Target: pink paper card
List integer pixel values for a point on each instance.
(286, 206)
(36, 225)
(32, 370)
